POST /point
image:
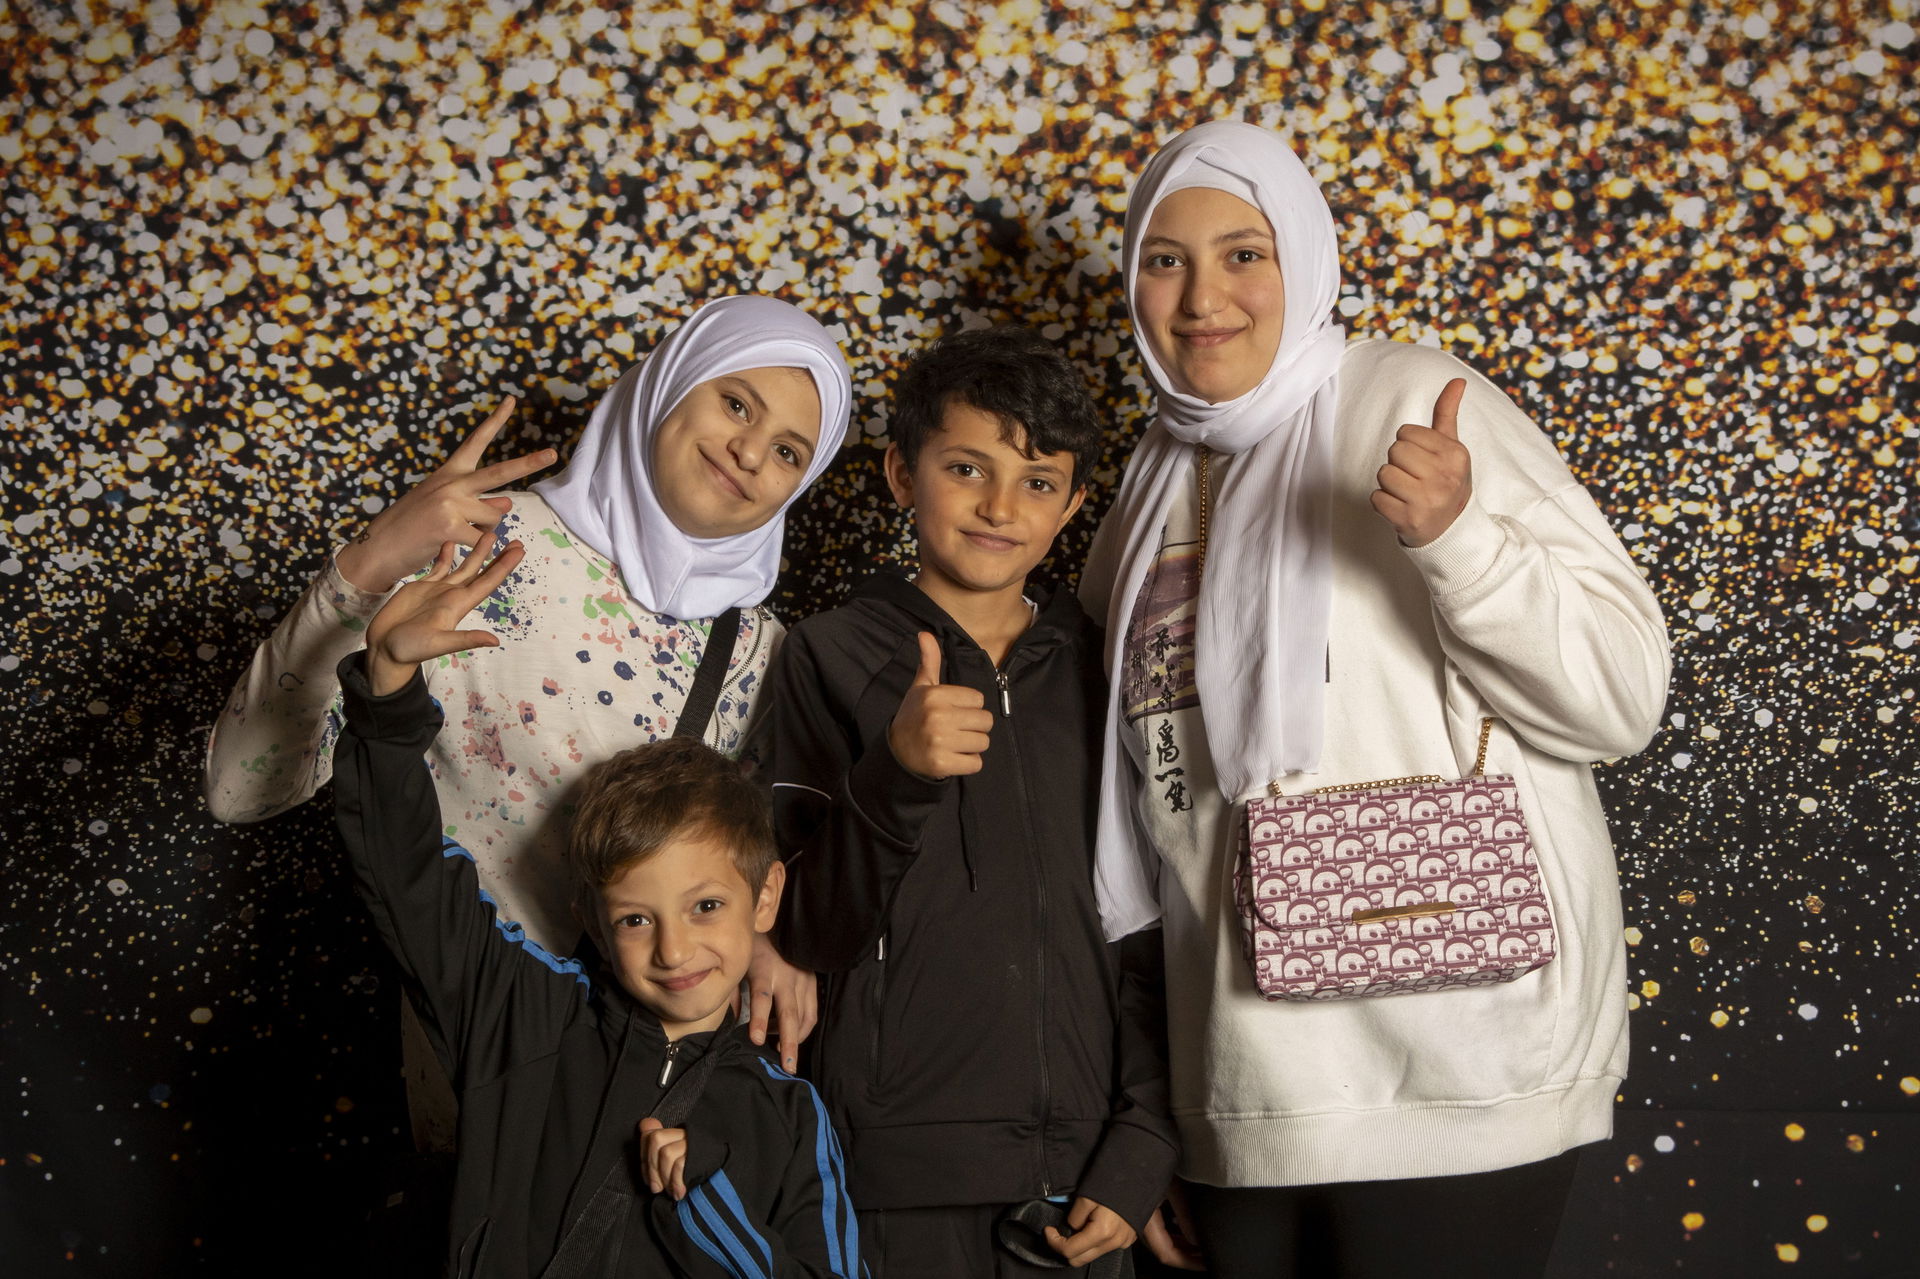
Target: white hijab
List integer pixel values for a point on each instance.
(606, 498)
(1265, 598)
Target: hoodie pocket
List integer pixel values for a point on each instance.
(473, 1251)
(876, 1010)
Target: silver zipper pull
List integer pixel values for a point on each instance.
(880, 952)
(666, 1067)
(1006, 695)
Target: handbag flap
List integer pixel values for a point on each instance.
(1419, 851)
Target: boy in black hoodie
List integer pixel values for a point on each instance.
(932, 749)
(613, 1117)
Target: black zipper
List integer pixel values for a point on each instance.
(1002, 678)
(666, 1066)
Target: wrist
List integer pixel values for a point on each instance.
(385, 675)
(360, 566)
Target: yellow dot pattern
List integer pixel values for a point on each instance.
(264, 262)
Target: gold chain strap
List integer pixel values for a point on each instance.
(1480, 760)
(1206, 501)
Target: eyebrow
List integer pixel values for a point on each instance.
(701, 889)
(1035, 465)
(1225, 237)
(746, 391)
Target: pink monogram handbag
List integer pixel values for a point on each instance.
(1390, 887)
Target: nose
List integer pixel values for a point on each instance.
(672, 946)
(997, 502)
(749, 448)
(1202, 295)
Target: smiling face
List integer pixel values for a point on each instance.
(678, 929)
(735, 449)
(1208, 298)
(985, 513)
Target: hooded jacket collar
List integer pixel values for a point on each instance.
(1059, 620)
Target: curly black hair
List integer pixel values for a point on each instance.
(1011, 372)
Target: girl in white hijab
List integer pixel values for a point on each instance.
(1327, 561)
(670, 513)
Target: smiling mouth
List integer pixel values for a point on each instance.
(1207, 337)
(990, 541)
(726, 479)
(687, 982)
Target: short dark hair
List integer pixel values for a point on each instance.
(1013, 373)
(632, 804)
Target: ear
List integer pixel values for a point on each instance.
(899, 476)
(1073, 508)
(768, 907)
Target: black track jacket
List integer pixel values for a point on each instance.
(555, 1064)
(980, 1043)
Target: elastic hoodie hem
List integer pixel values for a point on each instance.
(1395, 1142)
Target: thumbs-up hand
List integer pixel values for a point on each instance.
(1428, 476)
(940, 730)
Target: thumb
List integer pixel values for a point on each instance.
(929, 673)
(1446, 409)
(650, 1124)
(1078, 1214)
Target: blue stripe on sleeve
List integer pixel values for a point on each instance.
(731, 1198)
(684, 1211)
(739, 1262)
(843, 1238)
(514, 934)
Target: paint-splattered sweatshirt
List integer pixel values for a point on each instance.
(583, 672)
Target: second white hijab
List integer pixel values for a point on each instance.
(605, 496)
(1266, 597)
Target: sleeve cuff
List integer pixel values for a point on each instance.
(1462, 555)
(706, 1153)
(1129, 1173)
(890, 799)
(396, 716)
(351, 605)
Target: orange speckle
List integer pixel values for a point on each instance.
(1693, 1221)
(1786, 1252)
(1816, 1223)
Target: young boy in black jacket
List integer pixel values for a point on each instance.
(613, 1118)
(932, 749)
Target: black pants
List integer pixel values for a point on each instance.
(1488, 1225)
(942, 1243)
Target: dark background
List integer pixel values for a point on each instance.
(264, 263)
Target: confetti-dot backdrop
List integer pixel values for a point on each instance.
(263, 263)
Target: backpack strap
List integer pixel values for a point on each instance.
(709, 676)
(591, 1248)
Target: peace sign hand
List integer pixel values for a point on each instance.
(418, 623)
(1428, 477)
(447, 506)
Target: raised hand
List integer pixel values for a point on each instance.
(447, 506)
(940, 729)
(418, 623)
(663, 1156)
(1428, 476)
(788, 995)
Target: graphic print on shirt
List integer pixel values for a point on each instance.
(1158, 678)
